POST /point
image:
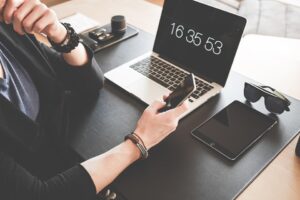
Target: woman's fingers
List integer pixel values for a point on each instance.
(10, 6)
(166, 96)
(48, 24)
(2, 4)
(180, 110)
(21, 13)
(155, 106)
(30, 16)
(177, 112)
(37, 12)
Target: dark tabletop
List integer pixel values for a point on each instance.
(180, 167)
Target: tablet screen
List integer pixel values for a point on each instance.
(233, 129)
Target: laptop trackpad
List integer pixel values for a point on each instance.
(147, 90)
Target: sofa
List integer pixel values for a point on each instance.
(265, 17)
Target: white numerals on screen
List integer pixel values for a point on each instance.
(218, 48)
(209, 44)
(190, 37)
(195, 38)
(179, 30)
(214, 46)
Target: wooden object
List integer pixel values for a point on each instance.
(53, 2)
(157, 2)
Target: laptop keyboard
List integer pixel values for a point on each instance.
(168, 75)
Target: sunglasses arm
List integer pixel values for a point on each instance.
(283, 97)
(278, 94)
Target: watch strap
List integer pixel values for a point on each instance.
(70, 42)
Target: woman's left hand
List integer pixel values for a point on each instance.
(32, 16)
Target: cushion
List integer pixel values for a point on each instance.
(271, 17)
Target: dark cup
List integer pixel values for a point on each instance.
(118, 25)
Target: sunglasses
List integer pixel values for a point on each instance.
(275, 102)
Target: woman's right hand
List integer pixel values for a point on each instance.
(153, 126)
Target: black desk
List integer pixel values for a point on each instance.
(180, 167)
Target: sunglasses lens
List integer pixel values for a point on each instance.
(274, 104)
(251, 93)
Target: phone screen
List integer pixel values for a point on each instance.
(181, 93)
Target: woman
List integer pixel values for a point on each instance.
(33, 84)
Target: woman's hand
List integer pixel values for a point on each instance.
(32, 16)
(153, 127)
(7, 9)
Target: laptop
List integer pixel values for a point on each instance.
(192, 38)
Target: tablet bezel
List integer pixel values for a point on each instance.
(219, 148)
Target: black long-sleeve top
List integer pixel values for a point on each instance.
(20, 135)
(18, 184)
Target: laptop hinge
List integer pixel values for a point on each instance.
(155, 54)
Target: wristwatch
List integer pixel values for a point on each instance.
(69, 43)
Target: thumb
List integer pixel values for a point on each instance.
(179, 110)
(156, 105)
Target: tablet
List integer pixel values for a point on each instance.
(234, 129)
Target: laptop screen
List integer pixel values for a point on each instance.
(199, 38)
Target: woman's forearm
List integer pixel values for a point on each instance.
(106, 167)
(77, 57)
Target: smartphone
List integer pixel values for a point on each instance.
(180, 94)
